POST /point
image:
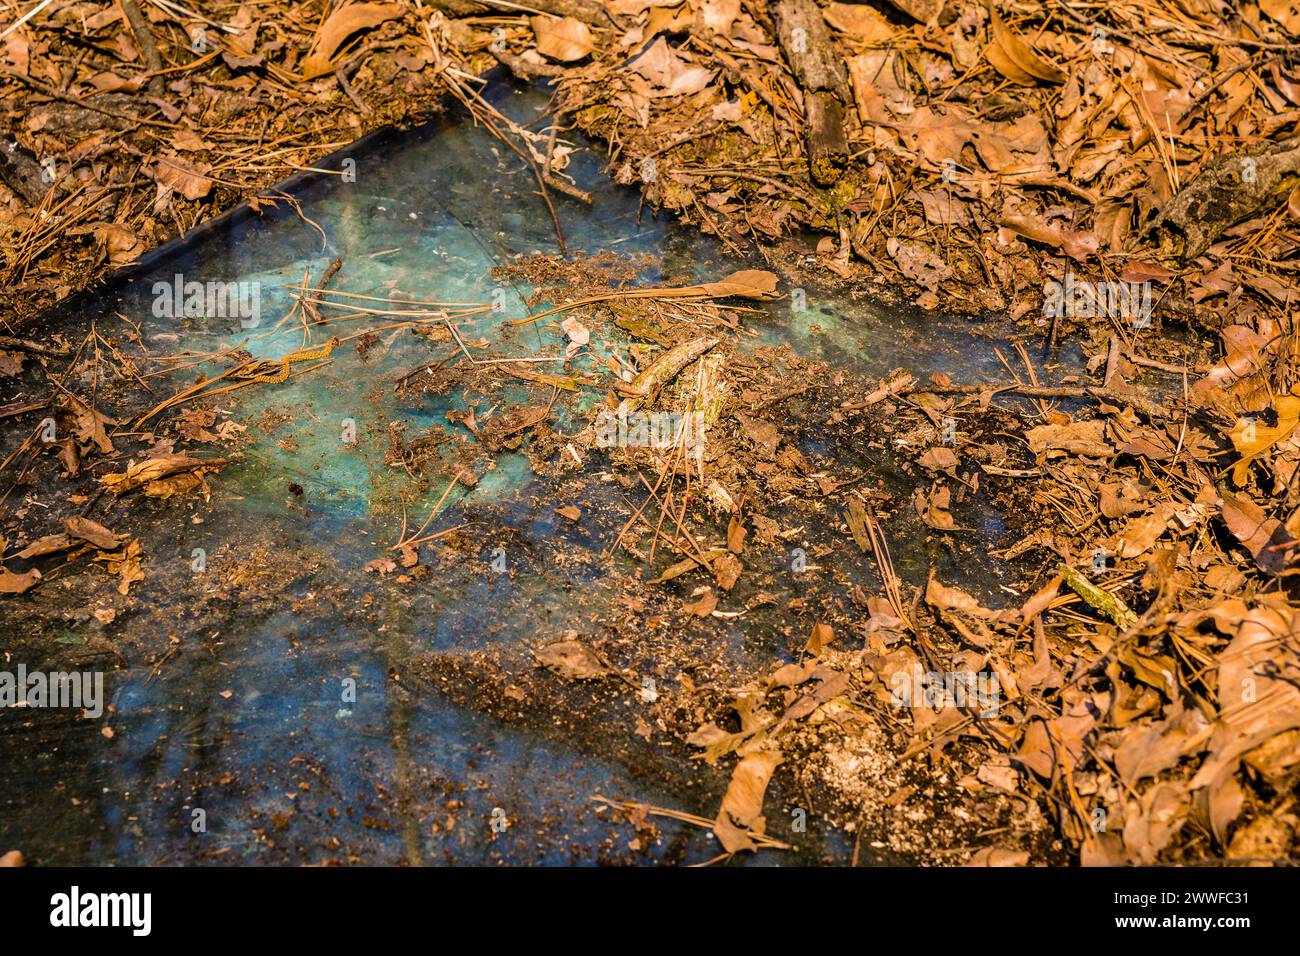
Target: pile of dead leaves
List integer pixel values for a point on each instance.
(1137, 143)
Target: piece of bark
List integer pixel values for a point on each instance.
(819, 69)
(828, 148)
(1227, 191)
(525, 69)
(20, 171)
(813, 57)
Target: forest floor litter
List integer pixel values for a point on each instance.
(1127, 180)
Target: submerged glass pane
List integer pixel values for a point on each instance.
(312, 710)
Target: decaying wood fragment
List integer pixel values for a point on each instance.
(817, 66)
(666, 368)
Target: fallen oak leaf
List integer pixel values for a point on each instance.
(1078, 438)
(1265, 538)
(943, 598)
(1253, 439)
(704, 606)
(49, 544)
(821, 637)
(999, 857)
(939, 458)
(93, 532)
(745, 284)
(175, 485)
(88, 425)
(121, 244)
(125, 564)
(736, 534)
(1141, 533)
(1256, 700)
(727, 570)
(933, 509)
(668, 72)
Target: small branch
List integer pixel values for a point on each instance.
(144, 39)
(27, 345)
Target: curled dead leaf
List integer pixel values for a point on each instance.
(1014, 58)
(338, 27)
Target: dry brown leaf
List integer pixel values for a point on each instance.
(49, 544)
(726, 570)
(92, 532)
(11, 583)
(933, 508)
(174, 486)
(859, 20)
(953, 599)
(1257, 701)
(190, 179)
(704, 606)
(1036, 750)
(1253, 439)
(1263, 537)
(741, 812)
(565, 39)
(152, 469)
(573, 660)
(1139, 534)
(338, 27)
(736, 535)
(1076, 245)
(1148, 751)
(747, 284)
(125, 564)
(669, 74)
(1078, 438)
(822, 635)
(121, 244)
(1013, 58)
(999, 856)
(939, 459)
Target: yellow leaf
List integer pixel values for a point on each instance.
(1251, 439)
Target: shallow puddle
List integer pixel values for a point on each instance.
(294, 731)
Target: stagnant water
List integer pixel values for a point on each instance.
(247, 745)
